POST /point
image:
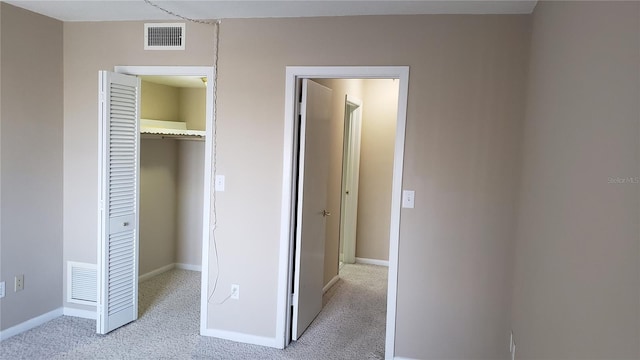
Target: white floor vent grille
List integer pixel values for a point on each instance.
(82, 282)
(164, 36)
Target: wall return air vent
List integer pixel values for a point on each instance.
(164, 36)
(82, 283)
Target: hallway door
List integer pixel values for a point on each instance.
(315, 119)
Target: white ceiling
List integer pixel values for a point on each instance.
(99, 10)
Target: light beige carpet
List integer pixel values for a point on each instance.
(351, 326)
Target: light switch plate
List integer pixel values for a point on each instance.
(408, 199)
(219, 185)
(2, 289)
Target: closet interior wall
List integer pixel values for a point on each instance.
(171, 180)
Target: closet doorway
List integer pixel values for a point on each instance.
(172, 134)
(156, 143)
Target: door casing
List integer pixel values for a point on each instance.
(207, 223)
(287, 235)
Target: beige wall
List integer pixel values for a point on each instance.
(31, 164)
(193, 107)
(577, 267)
(158, 203)
(88, 48)
(466, 94)
(190, 202)
(379, 117)
(465, 106)
(159, 102)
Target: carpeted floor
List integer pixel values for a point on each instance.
(351, 326)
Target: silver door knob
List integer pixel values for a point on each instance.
(325, 213)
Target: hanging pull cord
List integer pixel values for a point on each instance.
(198, 21)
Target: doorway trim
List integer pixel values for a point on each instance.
(207, 229)
(285, 270)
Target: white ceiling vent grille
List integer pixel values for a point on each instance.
(82, 283)
(164, 36)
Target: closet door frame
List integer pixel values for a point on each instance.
(207, 223)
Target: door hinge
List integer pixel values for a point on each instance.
(300, 109)
(292, 298)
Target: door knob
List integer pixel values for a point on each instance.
(325, 213)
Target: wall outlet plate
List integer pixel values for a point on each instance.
(19, 283)
(2, 285)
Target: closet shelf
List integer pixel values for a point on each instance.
(169, 129)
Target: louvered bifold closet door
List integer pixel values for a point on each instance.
(119, 201)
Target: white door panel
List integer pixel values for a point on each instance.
(350, 179)
(119, 141)
(312, 202)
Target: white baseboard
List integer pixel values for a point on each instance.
(30, 324)
(330, 284)
(155, 272)
(85, 314)
(189, 267)
(372, 262)
(243, 338)
(402, 358)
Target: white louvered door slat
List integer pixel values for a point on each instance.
(119, 201)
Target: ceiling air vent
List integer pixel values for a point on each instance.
(164, 36)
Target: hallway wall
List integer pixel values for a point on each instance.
(379, 118)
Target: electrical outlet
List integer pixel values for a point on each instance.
(235, 291)
(1, 289)
(19, 283)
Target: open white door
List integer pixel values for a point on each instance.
(119, 142)
(312, 201)
(350, 179)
